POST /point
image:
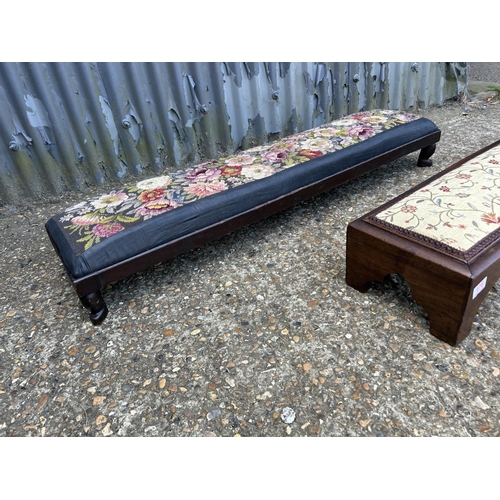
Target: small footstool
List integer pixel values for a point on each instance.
(442, 237)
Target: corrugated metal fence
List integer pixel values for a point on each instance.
(68, 126)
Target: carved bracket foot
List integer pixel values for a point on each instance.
(97, 307)
(425, 154)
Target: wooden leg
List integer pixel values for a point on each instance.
(450, 311)
(441, 286)
(96, 305)
(362, 266)
(425, 154)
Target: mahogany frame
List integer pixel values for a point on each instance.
(449, 287)
(89, 287)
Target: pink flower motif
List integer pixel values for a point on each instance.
(110, 200)
(446, 189)
(201, 189)
(367, 117)
(107, 230)
(495, 162)
(85, 220)
(202, 174)
(361, 131)
(240, 160)
(276, 156)
(490, 218)
(156, 207)
(408, 209)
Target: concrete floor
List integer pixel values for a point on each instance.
(220, 341)
(488, 72)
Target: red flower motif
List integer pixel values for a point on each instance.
(231, 171)
(408, 209)
(151, 195)
(310, 154)
(274, 156)
(495, 162)
(446, 189)
(490, 218)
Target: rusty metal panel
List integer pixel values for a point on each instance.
(69, 126)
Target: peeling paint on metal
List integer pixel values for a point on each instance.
(133, 124)
(192, 86)
(284, 68)
(252, 69)
(37, 114)
(234, 69)
(21, 138)
(73, 125)
(110, 123)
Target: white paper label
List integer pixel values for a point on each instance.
(479, 288)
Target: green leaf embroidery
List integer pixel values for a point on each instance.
(91, 242)
(125, 219)
(88, 237)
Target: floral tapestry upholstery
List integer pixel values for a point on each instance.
(458, 211)
(124, 222)
(106, 215)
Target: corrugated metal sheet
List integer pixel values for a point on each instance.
(68, 126)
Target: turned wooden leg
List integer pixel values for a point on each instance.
(425, 154)
(96, 305)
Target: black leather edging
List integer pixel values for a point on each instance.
(207, 211)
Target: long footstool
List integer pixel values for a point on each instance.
(110, 237)
(442, 237)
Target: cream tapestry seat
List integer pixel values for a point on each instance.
(458, 213)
